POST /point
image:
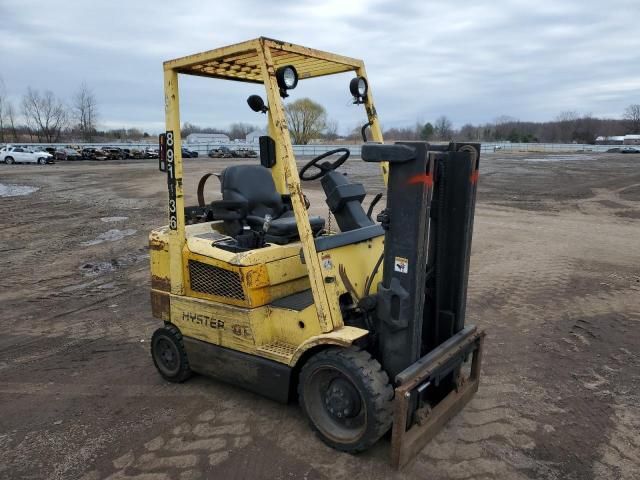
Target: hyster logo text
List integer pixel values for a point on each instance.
(201, 319)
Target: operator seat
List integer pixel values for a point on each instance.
(253, 185)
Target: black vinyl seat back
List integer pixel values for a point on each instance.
(252, 184)
(345, 201)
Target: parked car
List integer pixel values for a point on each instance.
(245, 153)
(35, 148)
(67, 154)
(221, 152)
(151, 153)
(91, 153)
(629, 150)
(114, 153)
(11, 155)
(186, 153)
(136, 153)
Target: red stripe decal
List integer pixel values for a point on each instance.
(421, 178)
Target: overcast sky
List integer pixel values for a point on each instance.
(470, 60)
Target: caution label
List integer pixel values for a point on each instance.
(401, 265)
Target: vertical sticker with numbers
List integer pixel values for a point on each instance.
(171, 181)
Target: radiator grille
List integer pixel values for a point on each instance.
(212, 280)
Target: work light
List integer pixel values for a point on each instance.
(358, 87)
(287, 78)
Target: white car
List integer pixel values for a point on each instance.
(11, 155)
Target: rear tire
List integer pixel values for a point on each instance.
(9, 161)
(169, 355)
(347, 398)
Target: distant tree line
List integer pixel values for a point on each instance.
(567, 127)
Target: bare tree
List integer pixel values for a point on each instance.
(240, 130)
(632, 116)
(11, 119)
(7, 120)
(443, 128)
(306, 119)
(85, 111)
(566, 125)
(331, 130)
(3, 108)
(45, 114)
(469, 132)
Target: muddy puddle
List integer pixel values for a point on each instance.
(93, 269)
(10, 190)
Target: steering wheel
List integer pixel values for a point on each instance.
(324, 167)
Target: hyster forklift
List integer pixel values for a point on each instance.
(364, 324)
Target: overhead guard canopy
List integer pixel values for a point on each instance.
(241, 61)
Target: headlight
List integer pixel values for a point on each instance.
(290, 78)
(287, 78)
(358, 87)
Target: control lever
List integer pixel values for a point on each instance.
(267, 223)
(265, 228)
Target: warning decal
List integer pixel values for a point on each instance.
(401, 265)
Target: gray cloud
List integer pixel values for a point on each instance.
(469, 60)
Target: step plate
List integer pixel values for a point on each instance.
(278, 351)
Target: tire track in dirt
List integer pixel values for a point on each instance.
(519, 305)
(194, 450)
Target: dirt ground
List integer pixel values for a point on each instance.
(555, 280)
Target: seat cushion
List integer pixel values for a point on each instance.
(285, 225)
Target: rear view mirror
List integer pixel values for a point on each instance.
(257, 104)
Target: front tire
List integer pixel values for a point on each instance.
(42, 161)
(9, 161)
(347, 398)
(169, 355)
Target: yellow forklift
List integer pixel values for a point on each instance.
(364, 325)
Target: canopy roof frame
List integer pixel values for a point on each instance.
(241, 61)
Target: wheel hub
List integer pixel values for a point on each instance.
(341, 399)
(166, 353)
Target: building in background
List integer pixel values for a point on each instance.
(207, 138)
(611, 140)
(254, 137)
(618, 140)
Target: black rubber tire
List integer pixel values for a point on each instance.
(365, 374)
(168, 340)
(9, 161)
(42, 161)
